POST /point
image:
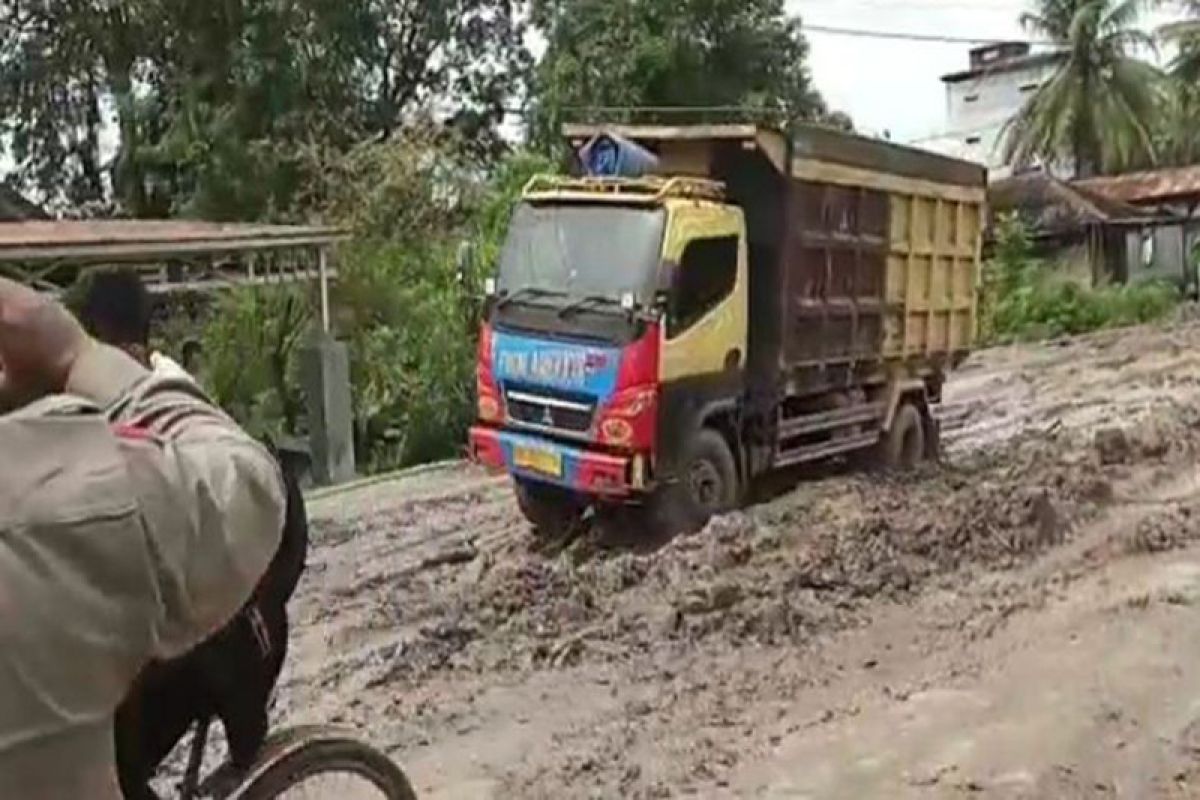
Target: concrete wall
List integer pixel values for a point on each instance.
(977, 109)
(1157, 253)
(325, 373)
(1134, 255)
(991, 98)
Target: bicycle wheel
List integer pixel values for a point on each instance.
(321, 763)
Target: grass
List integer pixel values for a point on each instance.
(1048, 310)
(1025, 299)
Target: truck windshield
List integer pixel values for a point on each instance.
(582, 250)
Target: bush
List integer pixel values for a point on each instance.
(251, 341)
(407, 300)
(1022, 299)
(400, 310)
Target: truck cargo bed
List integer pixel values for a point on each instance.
(864, 254)
(874, 275)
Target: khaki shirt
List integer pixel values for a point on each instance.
(135, 520)
(166, 366)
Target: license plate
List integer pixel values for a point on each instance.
(547, 462)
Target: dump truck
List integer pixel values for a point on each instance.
(694, 306)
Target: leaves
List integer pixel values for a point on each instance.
(408, 294)
(1100, 110)
(1179, 136)
(214, 103)
(379, 116)
(251, 346)
(653, 53)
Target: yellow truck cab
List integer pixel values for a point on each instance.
(704, 304)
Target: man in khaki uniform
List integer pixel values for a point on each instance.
(135, 519)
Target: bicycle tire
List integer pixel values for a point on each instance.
(304, 753)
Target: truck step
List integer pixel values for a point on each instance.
(816, 452)
(829, 420)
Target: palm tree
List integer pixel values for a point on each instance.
(1098, 110)
(1180, 136)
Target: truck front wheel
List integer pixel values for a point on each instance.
(553, 512)
(706, 484)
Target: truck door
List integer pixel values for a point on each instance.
(705, 331)
(704, 335)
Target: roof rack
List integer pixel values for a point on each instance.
(676, 115)
(651, 188)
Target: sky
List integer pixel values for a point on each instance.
(895, 85)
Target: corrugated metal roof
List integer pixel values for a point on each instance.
(1149, 186)
(103, 240)
(1051, 207)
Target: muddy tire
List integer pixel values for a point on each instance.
(903, 446)
(706, 485)
(553, 512)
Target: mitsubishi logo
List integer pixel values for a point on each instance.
(547, 417)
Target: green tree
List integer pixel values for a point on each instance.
(217, 104)
(655, 53)
(407, 301)
(62, 65)
(1098, 111)
(1180, 132)
(251, 343)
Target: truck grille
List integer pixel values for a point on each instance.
(571, 413)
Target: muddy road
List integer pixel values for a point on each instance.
(1022, 621)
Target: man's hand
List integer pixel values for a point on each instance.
(39, 344)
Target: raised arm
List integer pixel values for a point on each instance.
(210, 498)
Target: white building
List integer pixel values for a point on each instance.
(981, 100)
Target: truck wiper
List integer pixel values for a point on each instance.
(584, 302)
(520, 294)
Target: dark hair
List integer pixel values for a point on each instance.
(113, 306)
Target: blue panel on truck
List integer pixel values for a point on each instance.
(554, 364)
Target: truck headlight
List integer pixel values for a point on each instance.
(616, 431)
(489, 408)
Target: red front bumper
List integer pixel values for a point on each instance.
(580, 470)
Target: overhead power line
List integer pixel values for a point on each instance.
(915, 37)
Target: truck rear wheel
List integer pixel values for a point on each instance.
(706, 485)
(903, 446)
(553, 512)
